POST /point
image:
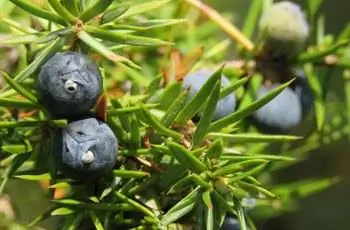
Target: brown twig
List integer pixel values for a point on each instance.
(224, 24)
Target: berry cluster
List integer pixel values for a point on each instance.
(69, 86)
(285, 30)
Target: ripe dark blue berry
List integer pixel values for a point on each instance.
(69, 84)
(194, 83)
(281, 114)
(230, 223)
(86, 149)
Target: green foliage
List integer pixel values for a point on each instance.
(171, 169)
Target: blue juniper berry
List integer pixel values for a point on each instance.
(69, 84)
(86, 149)
(230, 223)
(195, 81)
(280, 115)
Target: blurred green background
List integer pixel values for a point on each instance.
(327, 210)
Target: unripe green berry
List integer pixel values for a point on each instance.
(284, 28)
